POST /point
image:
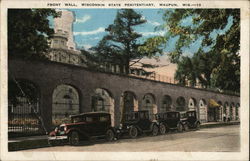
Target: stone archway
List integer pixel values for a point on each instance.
(149, 103)
(232, 111)
(220, 115)
(237, 111)
(103, 101)
(128, 103)
(65, 103)
(203, 110)
(166, 103)
(192, 104)
(180, 104)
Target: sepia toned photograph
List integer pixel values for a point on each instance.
(124, 77)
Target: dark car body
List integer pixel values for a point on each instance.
(168, 121)
(190, 120)
(83, 126)
(138, 122)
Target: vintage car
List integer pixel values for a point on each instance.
(190, 120)
(136, 123)
(83, 126)
(169, 121)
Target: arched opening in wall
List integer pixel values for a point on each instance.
(102, 101)
(128, 103)
(192, 104)
(180, 104)
(213, 110)
(237, 111)
(225, 111)
(220, 111)
(203, 110)
(166, 103)
(149, 103)
(65, 102)
(232, 111)
(23, 108)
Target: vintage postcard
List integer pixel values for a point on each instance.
(124, 80)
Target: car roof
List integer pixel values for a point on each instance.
(92, 114)
(137, 111)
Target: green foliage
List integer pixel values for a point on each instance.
(20, 89)
(121, 45)
(216, 68)
(28, 32)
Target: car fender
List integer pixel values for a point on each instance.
(77, 130)
(197, 122)
(182, 123)
(139, 129)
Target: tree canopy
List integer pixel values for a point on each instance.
(216, 63)
(122, 45)
(28, 32)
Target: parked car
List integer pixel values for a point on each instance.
(190, 120)
(169, 121)
(83, 126)
(136, 123)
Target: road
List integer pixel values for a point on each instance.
(219, 139)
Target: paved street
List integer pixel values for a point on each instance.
(220, 139)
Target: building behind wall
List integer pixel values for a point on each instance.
(62, 45)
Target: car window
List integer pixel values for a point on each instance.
(104, 118)
(89, 119)
(77, 119)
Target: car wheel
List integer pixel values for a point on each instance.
(74, 138)
(179, 127)
(133, 132)
(198, 126)
(110, 135)
(186, 128)
(155, 130)
(163, 129)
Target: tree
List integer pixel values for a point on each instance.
(122, 44)
(28, 32)
(217, 67)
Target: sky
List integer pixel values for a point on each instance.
(90, 24)
(89, 29)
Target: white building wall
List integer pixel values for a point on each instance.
(65, 23)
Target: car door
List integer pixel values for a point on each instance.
(144, 122)
(103, 124)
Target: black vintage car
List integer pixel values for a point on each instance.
(190, 120)
(136, 123)
(83, 126)
(168, 121)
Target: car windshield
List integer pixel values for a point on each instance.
(131, 116)
(172, 115)
(183, 115)
(191, 114)
(77, 119)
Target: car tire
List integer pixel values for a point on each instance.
(179, 127)
(198, 126)
(110, 135)
(155, 130)
(74, 138)
(133, 132)
(163, 129)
